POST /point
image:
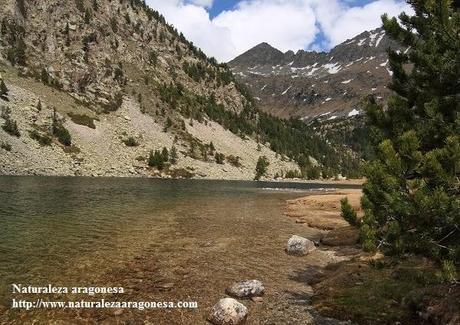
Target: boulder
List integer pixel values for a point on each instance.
(228, 311)
(299, 246)
(246, 289)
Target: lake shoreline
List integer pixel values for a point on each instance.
(189, 241)
(186, 240)
(346, 182)
(405, 291)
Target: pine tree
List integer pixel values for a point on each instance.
(3, 90)
(88, 16)
(21, 53)
(411, 197)
(173, 156)
(67, 35)
(220, 158)
(95, 5)
(261, 167)
(348, 213)
(156, 160)
(165, 154)
(59, 131)
(11, 127)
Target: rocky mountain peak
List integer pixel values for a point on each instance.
(311, 85)
(262, 53)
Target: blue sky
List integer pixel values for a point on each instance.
(227, 28)
(222, 5)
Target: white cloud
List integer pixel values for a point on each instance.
(194, 21)
(339, 22)
(203, 3)
(285, 24)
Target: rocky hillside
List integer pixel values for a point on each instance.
(311, 85)
(108, 88)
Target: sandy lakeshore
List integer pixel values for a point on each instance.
(322, 211)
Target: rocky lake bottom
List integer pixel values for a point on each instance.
(161, 240)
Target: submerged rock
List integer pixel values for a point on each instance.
(299, 246)
(257, 299)
(228, 311)
(246, 289)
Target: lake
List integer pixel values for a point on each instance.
(77, 231)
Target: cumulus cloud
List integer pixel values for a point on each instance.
(339, 22)
(285, 24)
(194, 21)
(203, 3)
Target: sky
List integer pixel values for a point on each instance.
(225, 29)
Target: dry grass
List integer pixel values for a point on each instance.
(323, 211)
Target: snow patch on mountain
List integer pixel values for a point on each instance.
(333, 68)
(354, 112)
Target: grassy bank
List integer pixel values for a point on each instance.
(372, 289)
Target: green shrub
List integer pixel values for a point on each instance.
(43, 140)
(95, 5)
(17, 53)
(11, 127)
(45, 77)
(153, 58)
(348, 213)
(88, 16)
(168, 124)
(6, 146)
(22, 7)
(292, 174)
(234, 161)
(312, 172)
(157, 160)
(173, 156)
(130, 142)
(219, 157)
(3, 90)
(165, 154)
(114, 24)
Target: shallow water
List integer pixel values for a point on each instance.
(67, 231)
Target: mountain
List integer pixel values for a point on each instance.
(312, 85)
(108, 88)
